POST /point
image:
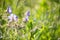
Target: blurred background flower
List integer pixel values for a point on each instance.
(26, 16)
(27, 13)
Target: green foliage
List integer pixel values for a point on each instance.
(43, 24)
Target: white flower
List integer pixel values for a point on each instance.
(9, 18)
(12, 17)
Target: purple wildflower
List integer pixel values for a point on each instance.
(9, 10)
(26, 19)
(28, 13)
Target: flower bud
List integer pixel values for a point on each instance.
(9, 10)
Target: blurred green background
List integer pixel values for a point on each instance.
(43, 24)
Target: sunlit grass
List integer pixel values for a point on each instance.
(43, 22)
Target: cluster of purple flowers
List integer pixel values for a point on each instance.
(27, 14)
(12, 16)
